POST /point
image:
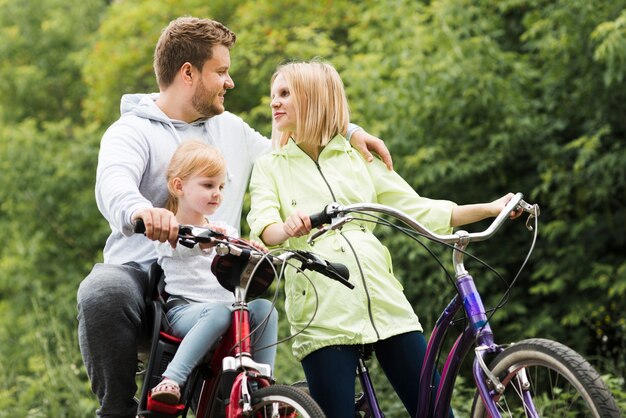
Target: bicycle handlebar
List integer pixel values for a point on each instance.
(309, 260)
(139, 227)
(335, 215)
(320, 218)
(189, 236)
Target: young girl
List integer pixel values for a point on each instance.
(311, 166)
(200, 308)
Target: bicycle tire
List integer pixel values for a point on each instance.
(286, 400)
(361, 406)
(563, 383)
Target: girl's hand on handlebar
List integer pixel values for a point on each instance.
(298, 224)
(161, 224)
(259, 246)
(217, 228)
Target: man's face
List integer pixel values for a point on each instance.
(208, 97)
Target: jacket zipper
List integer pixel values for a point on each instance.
(358, 263)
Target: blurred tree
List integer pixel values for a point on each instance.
(474, 98)
(120, 60)
(39, 64)
(47, 163)
(484, 97)
(310, 30)
(48, 211)
(576, 45)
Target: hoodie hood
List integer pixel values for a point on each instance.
(144, 106)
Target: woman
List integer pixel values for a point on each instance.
(312, 165)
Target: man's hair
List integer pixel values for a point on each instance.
(188, 39)
(192, 158)
(320, 102)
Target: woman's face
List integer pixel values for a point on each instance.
(283, 109)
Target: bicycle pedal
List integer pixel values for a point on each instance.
(164, 408)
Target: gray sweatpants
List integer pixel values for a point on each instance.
(110, 310)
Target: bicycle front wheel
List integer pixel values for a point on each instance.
(549, 378)
(284, 401)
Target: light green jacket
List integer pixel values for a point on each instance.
(324, 311)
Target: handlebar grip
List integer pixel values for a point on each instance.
(320, 218)
(139, 227)
(340, 273)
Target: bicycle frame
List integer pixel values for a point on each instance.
(476, 332)
(229, 369)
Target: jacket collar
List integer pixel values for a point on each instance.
(291, 149)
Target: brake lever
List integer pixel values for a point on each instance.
(189, 243)
(189, 236)
(334, 271)
(533, 210)
(336, 223)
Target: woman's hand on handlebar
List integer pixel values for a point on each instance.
(468, 214)
(297, 224)
(161, 224)
(499, 204)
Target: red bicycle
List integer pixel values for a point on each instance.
(229, 383)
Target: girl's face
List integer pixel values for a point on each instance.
(283, 109)
(200, 194)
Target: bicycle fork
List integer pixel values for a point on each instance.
(479, 328)
(477, 331)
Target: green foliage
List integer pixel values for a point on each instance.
(474, 99)
(39, 64)
(53, 363)
(48, 209)
(263, 44)
(120, 61)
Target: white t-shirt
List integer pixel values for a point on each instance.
(188, 271)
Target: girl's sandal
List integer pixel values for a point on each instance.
(167, 391)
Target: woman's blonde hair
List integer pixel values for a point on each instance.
(190, 159)
(320, 103)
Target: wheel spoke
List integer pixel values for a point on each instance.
(543, 378)
(279, 401)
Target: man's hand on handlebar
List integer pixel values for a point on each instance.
(161, 224)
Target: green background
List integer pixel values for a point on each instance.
(474, 98)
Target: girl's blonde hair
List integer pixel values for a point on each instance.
(320, 103)
(190, 159)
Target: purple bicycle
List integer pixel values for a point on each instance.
(530, 378)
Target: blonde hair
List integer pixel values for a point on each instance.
(190, 159)
(320, 103)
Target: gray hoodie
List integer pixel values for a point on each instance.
(134, 154)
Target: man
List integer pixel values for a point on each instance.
(191, 62)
